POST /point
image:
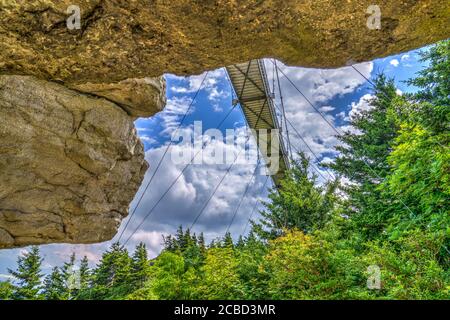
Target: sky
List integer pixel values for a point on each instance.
(338, 93)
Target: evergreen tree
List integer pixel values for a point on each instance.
(85, 273)
(170, 279)
(434, 89)
(6, 290)
(298, 203)
(363, 158)
(251, 253)
(54, 286)
(28, 275)
(420, 159)
(202, 244)
(70, 277)
(221, 278)
(228, 241)
(180, 239)
(140, 266)
(113, 274)
(85, 280)
(240, 243)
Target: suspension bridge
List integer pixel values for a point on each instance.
(250, 84)
(251, 91)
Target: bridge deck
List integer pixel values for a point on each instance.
(250, 83)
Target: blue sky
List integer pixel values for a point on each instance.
(338, 93)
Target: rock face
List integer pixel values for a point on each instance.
(121, 39)
(138, 97)
(69, 164)
(70, 161)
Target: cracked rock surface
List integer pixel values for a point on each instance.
(69, 164)
(121, 39)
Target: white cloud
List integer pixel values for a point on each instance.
(148, 139)
(152, 240)
(210, 84)
(394, 62)
(327, 108)
(183, 203)
(362, 105)
(217, 108)
(320, 87)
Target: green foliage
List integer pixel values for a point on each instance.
(363, 159)
(250, 254)
(55, 286)
(28, 276)
(112, 275)
(298, 203)
(140, 267)
(409, 266)
(434, 79)
(221, 279)
(169, 278)
(6, 290)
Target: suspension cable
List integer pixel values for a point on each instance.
(283, 109)
(254, 207)
(228, 170)
(242, 197)
(176, 179)
(164, 154)
(217, 187)
(337, 131)
(307, 145)
(312, 164)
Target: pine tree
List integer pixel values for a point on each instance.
(240, 243)
(180, 239)
(228, 241)
(85, 280)
(433, 82)
(112, 276)
(420, 159)
(363, 158)
(140, 266)
(28, 275)
(299, 203)
(85, 274)
(6, 290)
(54, 286)
(169, 243)
(202, 244)
(70, 277)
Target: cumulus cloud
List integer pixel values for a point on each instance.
(190, 193)
(362, 105)
(320, 87)
(211, 84)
